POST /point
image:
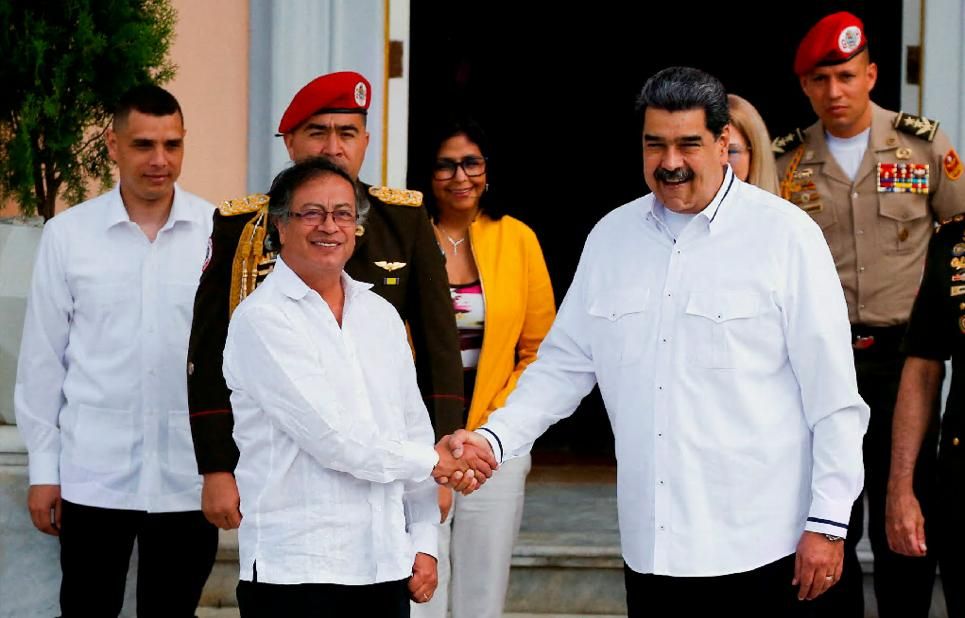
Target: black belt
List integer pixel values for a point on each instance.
(877, 337)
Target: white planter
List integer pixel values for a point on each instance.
(18, 248)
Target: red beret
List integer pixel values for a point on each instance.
(835, 39)
(345, 92)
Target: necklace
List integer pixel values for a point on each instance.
(452, 241)
(455, 243)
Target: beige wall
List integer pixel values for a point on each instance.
(211, 52)
(211, 83)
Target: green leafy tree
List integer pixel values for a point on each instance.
(63, 66)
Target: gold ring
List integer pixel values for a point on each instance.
(829, 577)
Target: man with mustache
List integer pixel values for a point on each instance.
(876, 182)
(711, 316)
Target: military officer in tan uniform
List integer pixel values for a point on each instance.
(395, 251)
(875, 181)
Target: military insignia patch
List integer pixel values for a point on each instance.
(952, 164)
(902, 178)
(391, 281)
(958, 249)
(958, 290)
(390, 266)
(360, 94)
(787, 143)
(919, 126)
(207, 257)
(959, 277)
(958, 263)
(903, 153)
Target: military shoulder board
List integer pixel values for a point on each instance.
(397, 197)
(919, 126)
(242, 205)
(787, 143)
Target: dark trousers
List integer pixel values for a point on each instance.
(765, 592)
(903, 585)
(175, 554)
(947, 538)
(261, 600)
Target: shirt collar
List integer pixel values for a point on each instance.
(180, 209)
(292, 286)
(654, 208)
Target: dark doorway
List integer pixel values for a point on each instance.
(555, 90)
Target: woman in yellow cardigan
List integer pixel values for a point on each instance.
(504, 306)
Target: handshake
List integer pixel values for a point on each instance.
(466, 460)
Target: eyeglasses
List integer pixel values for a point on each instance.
(735, 150)
(446, 168)
(315, 216)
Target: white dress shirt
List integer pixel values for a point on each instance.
(101, 398)
(335, 441)
(725, 366)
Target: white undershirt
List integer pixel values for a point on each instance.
(674, 221)
(848, 151)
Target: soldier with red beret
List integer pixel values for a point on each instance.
(395, 251)
(876, 181)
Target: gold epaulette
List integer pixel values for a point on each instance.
(242, 205)
(787, 143)
(919, 126)
(397, 197)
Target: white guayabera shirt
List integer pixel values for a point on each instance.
(335, 440)
(101, 398)
(725, 365)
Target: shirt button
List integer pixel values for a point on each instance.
(659, 435)
(662, 528)
(660, 483)
(860, 306)
(859, 232)
(854, 195)
(955, 442)
(861, 269)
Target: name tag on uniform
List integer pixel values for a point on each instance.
(902, 178)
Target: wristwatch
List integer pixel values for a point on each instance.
(833, 539)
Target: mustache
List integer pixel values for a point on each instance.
(680, 174)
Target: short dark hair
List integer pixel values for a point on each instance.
(285, 184)
(677, 89)
(459, 125)
(147, 99)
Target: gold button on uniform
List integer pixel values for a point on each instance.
(954, 441)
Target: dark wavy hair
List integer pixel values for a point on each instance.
(488, 202)
(676, 89)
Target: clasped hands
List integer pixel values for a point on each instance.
(466, 460)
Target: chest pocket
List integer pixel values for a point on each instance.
(618, 336)
(903, 222)
(717, 322)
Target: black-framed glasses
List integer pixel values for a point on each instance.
(444, 169)
(312, 217)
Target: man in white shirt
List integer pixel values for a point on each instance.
(710, 315)
(100, 395)
(336, 461)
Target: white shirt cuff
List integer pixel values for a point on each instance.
(828, 517)
(425, 538)
(494, 442)
(421, 459)
(44, 468)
